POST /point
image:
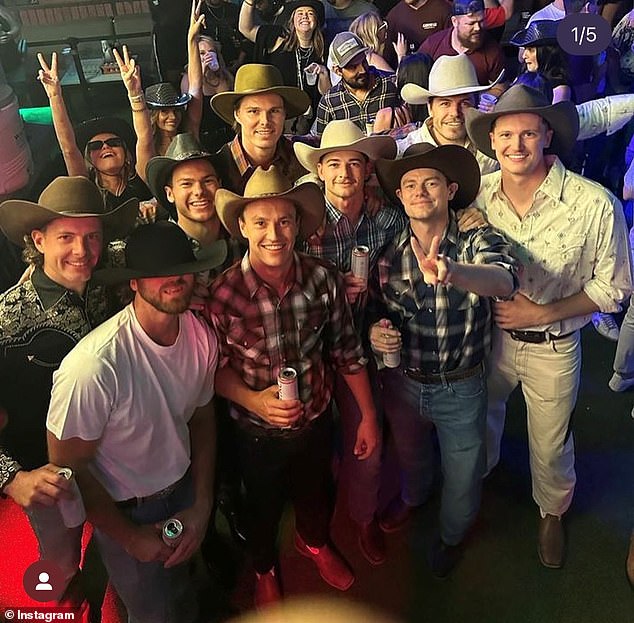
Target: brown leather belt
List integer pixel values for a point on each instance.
(163, 493)
(429, 378)
(535, 337)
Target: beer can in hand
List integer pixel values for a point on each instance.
(360, 262)
(172, 532)
(72, 511)
(392, 360)
(287, 384)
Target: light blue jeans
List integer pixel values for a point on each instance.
(151, 593)
(458, 412)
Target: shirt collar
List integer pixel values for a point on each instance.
(50, 292)
(552, 186)
(333, 215)
(254, 282)
(282, 153)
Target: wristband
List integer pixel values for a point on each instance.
(135, 99)
(8, 469)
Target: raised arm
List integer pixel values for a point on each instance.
(131, 76)
(73, 158)
(246, 21)
(194, 71)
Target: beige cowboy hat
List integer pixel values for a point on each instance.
(449, 75)
(344, 135)
(456, 163)
(562, 118)
(257, 79)
(271, 184)
(75, 197)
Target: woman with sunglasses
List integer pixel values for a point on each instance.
(372, 30)
(100, 148)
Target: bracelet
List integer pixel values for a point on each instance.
(8, 469)
(247, 2)
(139, 109)
(136, 98)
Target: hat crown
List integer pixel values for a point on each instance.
(541, 31)
(344, 47)
(520, 97)
(450, 73)
(266, 182)
(72, 195)
(155, 247)
(161, 93)
(185, 146)
(257, 77)
(466, 7)
(341, 133)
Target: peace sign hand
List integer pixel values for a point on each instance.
(436, 268)
(130, 72)
(48, 75)
(196, 20)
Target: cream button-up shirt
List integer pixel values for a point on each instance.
(572, 239)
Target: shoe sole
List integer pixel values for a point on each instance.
(308, 555)
(375, 562)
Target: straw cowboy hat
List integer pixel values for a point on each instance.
(449, 75)
(561, 117)
(344, 135)
(257, 79)
(164, 95)
(74, 197)
(456, 163)
(183, 147)
(161, 250)
(271, 184)
(105, 125)
(539, 32)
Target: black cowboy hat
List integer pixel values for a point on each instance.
(85, 131)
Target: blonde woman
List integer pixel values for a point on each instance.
(372, 30)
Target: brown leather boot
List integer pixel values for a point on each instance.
(551, 542)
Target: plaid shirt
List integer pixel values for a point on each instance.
(309, 329)
(339, 103)
(443, 328)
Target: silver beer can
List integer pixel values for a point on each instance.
(392, 360)
(72, 511)
(172, 531)
(287, 384)
(360, 262)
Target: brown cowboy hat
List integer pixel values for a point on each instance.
(456, 163)
(161, 249)
(271, 184)
(561, 117)
(75, 197)
(258, 79)
(344, 135)
(183, 147)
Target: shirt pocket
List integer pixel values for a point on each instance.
(311, 326)
(247, 340)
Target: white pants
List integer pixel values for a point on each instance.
(549, 374)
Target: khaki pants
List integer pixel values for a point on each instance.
(549, 375)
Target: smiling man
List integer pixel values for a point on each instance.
(569, 234)
(41, 320)
(131, 414)
(277, 310)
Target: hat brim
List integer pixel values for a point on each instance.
(296, 101)
(157, 172)
(207, 259)
(374, 147)
(105, 125)
(308, 199)
(417, 95)
(521, 40)
(183, 100)
(19, 218)
(448, 159)
(316, 5)
(562, 118)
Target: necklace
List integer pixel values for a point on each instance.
(304, 53)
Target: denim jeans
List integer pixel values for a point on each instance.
(457, 410)
(151, 593)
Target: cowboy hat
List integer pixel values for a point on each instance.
(85, 131)
(75, 197)
(456, 163)
(164, 95)
(258, 79)
(316, 5)
(561, 117)
(271, 184)
(184, 147)
(539, 32)
(161, 249)
(344, 135)
(449, 75)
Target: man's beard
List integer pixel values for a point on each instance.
(359, 81)
(172, 306)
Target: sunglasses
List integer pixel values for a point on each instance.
(383, 26)
(115, 141)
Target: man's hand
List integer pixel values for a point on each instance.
(367, 436)
(194, 522)
(518, 313)
(39, 486)
(435, 268)
(282, 413)
(384, 338)
(354, 286)
(470, 218)
(146, 544)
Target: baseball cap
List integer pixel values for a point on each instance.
(344, 47)
(465, 7)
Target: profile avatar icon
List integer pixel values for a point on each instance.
(44, 582)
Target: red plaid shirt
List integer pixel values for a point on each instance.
(309, 329)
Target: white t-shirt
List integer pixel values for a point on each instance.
(137, 397)
(550, 11)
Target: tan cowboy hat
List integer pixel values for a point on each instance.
(562, 118)
(449, 75)
(257, 79)
(344, 135)
(270, 184)
(456, 163)
(75, 197)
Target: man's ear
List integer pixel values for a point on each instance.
(399, 194)
(169, 194)
(454, 21)
(337, 70)
(549, 138)
(134, 285)
(320, 168)
(453, 189)
(242, 226)
(37, 235)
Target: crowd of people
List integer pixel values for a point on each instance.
(362, 221)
